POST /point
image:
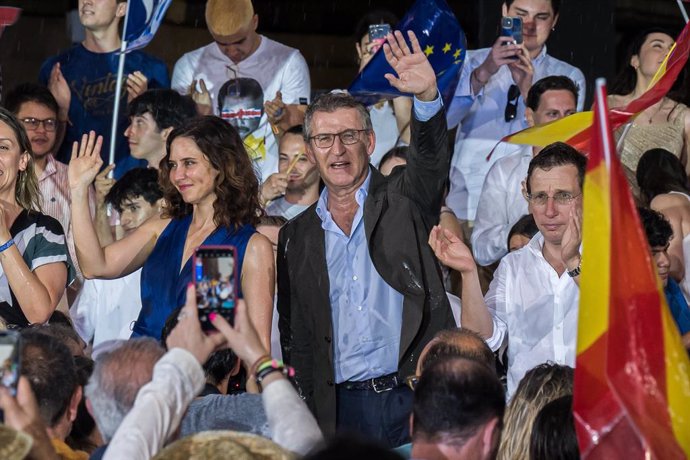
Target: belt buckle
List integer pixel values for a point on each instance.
(377, 390)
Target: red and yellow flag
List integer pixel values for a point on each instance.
(574, 129)
(632, 379)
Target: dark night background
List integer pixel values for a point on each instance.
(590, 34)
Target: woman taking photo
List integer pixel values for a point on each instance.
(212, 198)
(33, 253)
(665, 124)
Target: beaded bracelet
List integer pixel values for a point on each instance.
(270, 367)
(263, 359)
(5, 246)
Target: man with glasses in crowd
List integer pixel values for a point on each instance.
(490, 99)
(533, 298)
(37, 109)
(359, 290)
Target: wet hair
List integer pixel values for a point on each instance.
(555, 5)
(26, 188)
(219, 364)
(659, 172)
(557, 154)
(552, 83)
(458, 343)
(30, 92)
(236, 185)
(525, 226)
(454, 399)
(540, 385)
(330, 102)
(395, 152)
(137, 182)
(64, 331)
(48, 365)
(626, 79)
(168, 108)
(553, 434)
(657, 228)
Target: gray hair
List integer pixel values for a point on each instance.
(117, 377)
(330, 102)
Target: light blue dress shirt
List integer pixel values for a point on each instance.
(366, 311)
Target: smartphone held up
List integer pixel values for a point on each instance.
(377, 35)
(216, 283)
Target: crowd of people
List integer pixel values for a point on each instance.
(407, 284)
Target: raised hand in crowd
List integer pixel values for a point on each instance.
(415, 74)
(503, 52)
(275, 109)
(365, 54)
(137, 84)
(188, 334)
(274, 187)
(58, 87)
(522, 71)
(450, 250)
(103, 183)
(85, 163)
(201, 97)
(22, 414)
(242, 337)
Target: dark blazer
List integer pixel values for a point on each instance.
(398, 214)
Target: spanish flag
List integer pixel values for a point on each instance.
(574, 129)
(632, 379)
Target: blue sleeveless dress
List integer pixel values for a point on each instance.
(163, 285)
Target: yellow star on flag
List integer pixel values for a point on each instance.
(429, 50)
(447, 48)
(457, 53)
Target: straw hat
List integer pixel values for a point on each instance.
(222, 445)
(14, 445)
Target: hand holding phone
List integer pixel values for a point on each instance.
(512, 27)
(377, 36)
(216, 283)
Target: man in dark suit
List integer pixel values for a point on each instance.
(359, 289)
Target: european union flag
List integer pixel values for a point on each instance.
(440, 37)
(143, 19)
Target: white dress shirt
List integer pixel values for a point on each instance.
(535, 308)
(501, 204)
(482, 124)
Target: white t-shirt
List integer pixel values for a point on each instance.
(245, 87)
(106, 309)
(536, 308)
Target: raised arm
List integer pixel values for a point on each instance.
(429, 155)
(122, 257)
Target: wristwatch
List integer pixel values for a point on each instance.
(575, 271)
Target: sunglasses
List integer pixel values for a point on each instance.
(511, 106)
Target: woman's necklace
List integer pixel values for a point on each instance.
(656, 112)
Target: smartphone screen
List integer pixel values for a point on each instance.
(377, 35)
(9, 360)
(512, 27)
(215, 278)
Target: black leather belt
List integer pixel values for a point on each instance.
(378, 384)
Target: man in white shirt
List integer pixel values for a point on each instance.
(501, 203)
(489, 101)
(297, 180)
(225, 76)
(533, 298)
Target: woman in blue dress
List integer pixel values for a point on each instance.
(212, 198)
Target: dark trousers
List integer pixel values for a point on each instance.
(383, 417)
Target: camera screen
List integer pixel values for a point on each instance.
(9, 367)
(214, 276)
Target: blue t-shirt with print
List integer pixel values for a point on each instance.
(92, 79)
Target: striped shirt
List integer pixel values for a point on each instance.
(41, 241)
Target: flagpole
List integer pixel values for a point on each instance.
(683, 11)
(118, 91)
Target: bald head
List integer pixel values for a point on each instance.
(455, 343)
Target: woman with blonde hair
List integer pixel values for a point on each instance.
(540, 386)
(35, 264)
